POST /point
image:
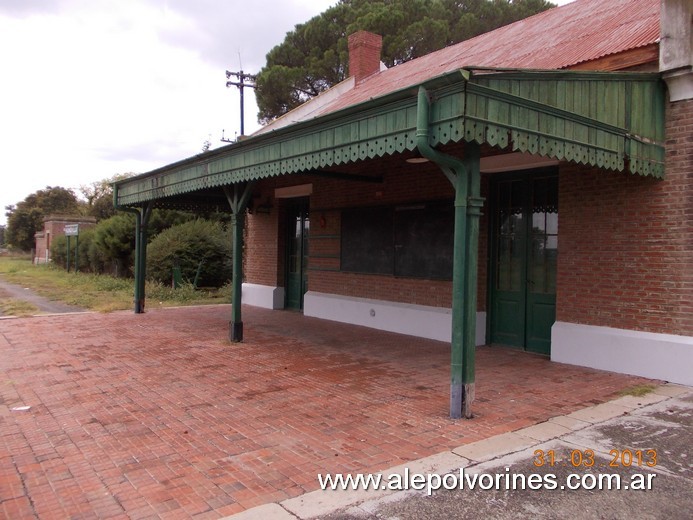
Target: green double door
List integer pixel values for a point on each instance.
(524, 252)
(297, 253)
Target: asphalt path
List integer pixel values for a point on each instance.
(45, 306)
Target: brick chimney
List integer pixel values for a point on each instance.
(364, 54)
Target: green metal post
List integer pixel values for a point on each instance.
(68, 253)
(141, 272)
(76, 253)
(238, 200)
(138, 248)
(139, 255)
(464, 176)
(471, 162)
(460, 326)
(236, 325)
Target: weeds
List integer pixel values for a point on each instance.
(101, 293)
(19, 308)
(638, 390)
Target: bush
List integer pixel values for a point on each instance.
(109, 247)
(162, 219)
(193, 244)
(59, 251)
(113, 248)
(85, 244)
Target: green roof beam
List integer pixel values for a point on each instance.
(607, 120)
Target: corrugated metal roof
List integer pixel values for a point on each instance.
(561, 37)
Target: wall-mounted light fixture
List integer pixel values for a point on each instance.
(417, 158)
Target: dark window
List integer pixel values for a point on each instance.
(367, 241)
(413, 241)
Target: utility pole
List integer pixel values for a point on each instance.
(241, 83)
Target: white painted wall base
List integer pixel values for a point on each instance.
(658, 356)
(415, 320)
(264, 296)
(680, 84)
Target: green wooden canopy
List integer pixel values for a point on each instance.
(609, 120)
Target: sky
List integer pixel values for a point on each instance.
(94, 88)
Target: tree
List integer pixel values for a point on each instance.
(207, 144)
(314, 56)
(26, 217)
(99, 196)
(2, 236)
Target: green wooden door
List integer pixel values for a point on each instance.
(524, 248)
(297, 254)
(508, 295)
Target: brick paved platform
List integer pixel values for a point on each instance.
(160, 416)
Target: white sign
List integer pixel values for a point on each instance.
(71, 230)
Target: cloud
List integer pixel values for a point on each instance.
(92, 88)
(153, 150)
(22, 8)
(221, 31)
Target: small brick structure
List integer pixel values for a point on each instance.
(54, 226)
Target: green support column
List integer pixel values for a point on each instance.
(141, 270)
(238, 200)
(141, 221)
(471, 161)
(236, 325)
(459, 346)
(138, 252)
(138, 249)
(465, 178)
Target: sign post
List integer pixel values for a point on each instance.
(72, 230)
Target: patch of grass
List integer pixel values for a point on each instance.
(13, 307)
(11, 265)
(110, 283)
(638, 390)
(186, 294)
(101, 293)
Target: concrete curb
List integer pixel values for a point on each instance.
(319, 503)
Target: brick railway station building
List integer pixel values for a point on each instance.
(530, 187)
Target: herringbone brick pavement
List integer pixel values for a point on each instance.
(159, 416)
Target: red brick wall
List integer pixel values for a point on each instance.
(626, 242)
(40, 247)
(262, 250)
(402, 184)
